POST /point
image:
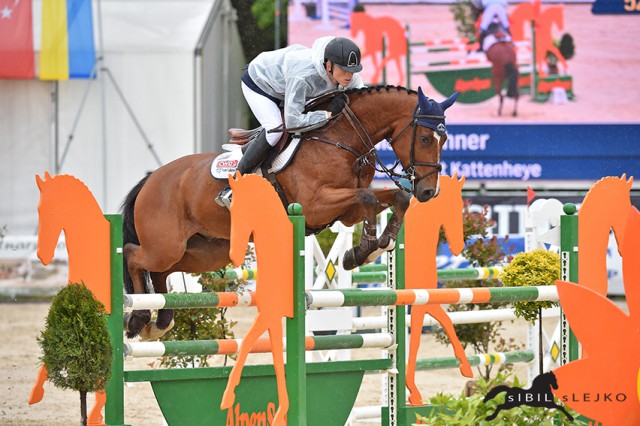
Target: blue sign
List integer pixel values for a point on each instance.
(537, 152)
(615, 7)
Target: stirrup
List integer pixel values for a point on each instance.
(224, 197)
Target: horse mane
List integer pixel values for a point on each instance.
(378, 88)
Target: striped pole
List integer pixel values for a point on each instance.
(374, 297)
(496, 358)
(188, 300)
(376, 273)
(462, 317)
(232, 346)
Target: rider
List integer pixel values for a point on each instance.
(290, 77)
(491, 9)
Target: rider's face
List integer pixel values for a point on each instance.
(339, 75)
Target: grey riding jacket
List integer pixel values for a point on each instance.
(296, 74)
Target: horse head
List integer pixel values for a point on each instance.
(49, 223)
(428, 136)
(451, 199)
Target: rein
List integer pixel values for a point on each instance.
(371, 158)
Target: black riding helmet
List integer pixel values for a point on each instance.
(344, 53)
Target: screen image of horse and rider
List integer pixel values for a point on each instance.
(578, 94)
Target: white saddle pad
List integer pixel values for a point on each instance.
(491, 39)
(227, 162)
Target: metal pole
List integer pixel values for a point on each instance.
(103, 98)
(277, 25)
(55, 125)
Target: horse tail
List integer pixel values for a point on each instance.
(129, 234)
(512, 80)
(495, 391)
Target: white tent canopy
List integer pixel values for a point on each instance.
(170, 60)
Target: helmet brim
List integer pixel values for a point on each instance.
(351, 69)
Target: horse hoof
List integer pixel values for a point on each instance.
(134, 322)
(152, 332)
(349, 260)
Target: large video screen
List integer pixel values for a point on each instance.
(578, 109)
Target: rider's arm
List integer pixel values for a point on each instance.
(295, 97)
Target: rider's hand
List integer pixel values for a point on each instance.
(336, 105)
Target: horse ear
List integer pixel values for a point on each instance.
(423, 100)
(449, 101)
(47, 176)
(39, 182)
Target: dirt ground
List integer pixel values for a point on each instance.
(604, 67)
(20, 323)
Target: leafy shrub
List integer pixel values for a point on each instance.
(535, 268)
(462, 410)
(76, 343)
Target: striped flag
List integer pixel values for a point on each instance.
(68, 49)
(16, 39)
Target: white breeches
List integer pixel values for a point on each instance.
(492, 10)
(267, 112)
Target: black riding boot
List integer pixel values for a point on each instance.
(251, 159)
(483, 35)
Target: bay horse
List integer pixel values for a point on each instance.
(422, 232)
(171, 223)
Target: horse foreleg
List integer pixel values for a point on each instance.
(515, 106)
(417, 319)
(441, 316)
(349, 206)
(400, 202)
(500, 97)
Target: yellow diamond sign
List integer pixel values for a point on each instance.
(555, 351)
(330, 271)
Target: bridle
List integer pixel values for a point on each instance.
(410, 171)
(371, 157)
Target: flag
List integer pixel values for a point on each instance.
(16, 39)
(531, 194)
(68, 49)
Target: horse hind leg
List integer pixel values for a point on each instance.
(154, 330)
(135, 321)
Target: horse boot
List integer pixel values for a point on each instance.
(251, 159)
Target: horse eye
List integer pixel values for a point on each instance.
(425, 139)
